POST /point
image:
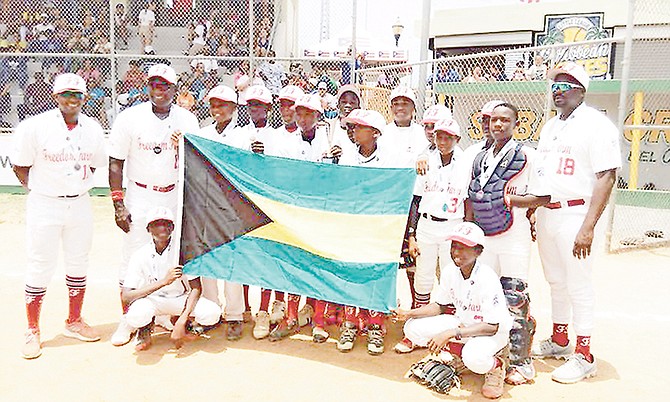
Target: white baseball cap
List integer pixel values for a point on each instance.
(163, 71)
(487, 109)
(291, 92)
(223, 93)
(449, 126)
(160, 213)
(259, 93)
(435, 113)
(349, 88)
(311, 102)
(69, 82)
(405, 92)
(574, 70)
(365, 117)
(468, 233)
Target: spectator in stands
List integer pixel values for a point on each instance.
(262, 40)
(36, 99)
(538, 71)
(88, 29)
(13, 69)
(63, 31)
(145, 23)
(519, 73)
(134, 78)
(88, 71)
(328, 100)
(121, 26)
(201, 33)
(495, 74)
(476, 75)
(102, 45)
(296, 76)
(95, 106)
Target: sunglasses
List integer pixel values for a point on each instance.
(159, 85)
(564, 86)
(70, 94)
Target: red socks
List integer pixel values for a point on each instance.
(265, 299)
(279, 296)
(584, 347)
(292, 307)
(76, 289)
(34, 298)
(560, 335)
(247, 306)
(319, 310)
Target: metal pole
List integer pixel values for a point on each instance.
(425, 33)
(112, 58)
(353, 42)
(251, 39)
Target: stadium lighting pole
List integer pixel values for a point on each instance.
(425, 32)
(397, 28)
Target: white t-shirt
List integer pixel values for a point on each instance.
(477, 299)
(572, 151)
(443, 188)
(201, 31)
(411, 140)
(142, 140)
(146, 266)
(147, 17)
(60, 159)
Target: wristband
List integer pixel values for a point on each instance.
(458, 334)
(117, 195)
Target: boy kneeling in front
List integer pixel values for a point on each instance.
(154, 286)
(479, 327)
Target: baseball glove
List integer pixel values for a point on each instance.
(435, 375)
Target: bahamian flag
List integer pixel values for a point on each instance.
(315, 229)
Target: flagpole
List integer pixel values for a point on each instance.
(180, 202)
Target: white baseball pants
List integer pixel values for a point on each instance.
(478, 352)
(509, 253)
(433, 248)
(50, 221)
(569, 278)
(142, 311)
(139, 202)
(233, 293)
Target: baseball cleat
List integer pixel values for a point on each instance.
(278, 311)
(123, 333)
(520, 374)
(234, 330)
(549, 348)
(577, 368)
(494, 383)
(375, 340)
(305, 315)
(262, 327)
(32, 349)
(284, 329)
(80, 330)
(404, 346)
(348, 332)
(319, 335)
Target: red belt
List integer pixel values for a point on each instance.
(569, 203)
(165, 189)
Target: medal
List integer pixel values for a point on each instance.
(77, 166)
(479, 195)
(157, 149)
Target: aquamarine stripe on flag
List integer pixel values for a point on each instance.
(281, 267)
(322, 186)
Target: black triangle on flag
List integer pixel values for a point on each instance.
(215, 212)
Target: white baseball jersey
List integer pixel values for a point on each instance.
(312, 151)
(378, 159)
(227, 136)
(147, 266)
(340, 137)
(471, 152)
(572, 151)
(443, 188)
(143, 140)
(477, 299)
(147, 17)
(411, 140)
(60, 159)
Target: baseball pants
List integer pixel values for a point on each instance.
(508, 253)
(51, 221)
(433, 248)
(140, 201)
(569, 278)
(478, 352)
(233, 293)
(142, 311)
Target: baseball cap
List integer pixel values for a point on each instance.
(405, 92)
(259, 93)
(223, 93)
(311, 102)
(449, 126)
(467, 233)
(160, 213)
(349, 88)
(322, 85)
(488, 107)
(163, 71)
(364, 117)
(572, 69)
(69, 82)
(291, 92)
(435, 113)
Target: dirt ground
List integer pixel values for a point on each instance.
(628, 343)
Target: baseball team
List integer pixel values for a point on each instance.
(473, 217)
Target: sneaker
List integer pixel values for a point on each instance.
(494, 382)
(574, 370)
(165, 322)
(123, 333)
(520, 373)
(319, 335)
(234, 330)
(549, 348)
(80, 330)
(375, 340)
(284, 329)
(262, 326)
(143, 337)
(348, 332)
(32, 349)
(404, 346)
(305, 315)
(278, 311)
(246, 316)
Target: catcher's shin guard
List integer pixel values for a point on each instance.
(523, 329)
